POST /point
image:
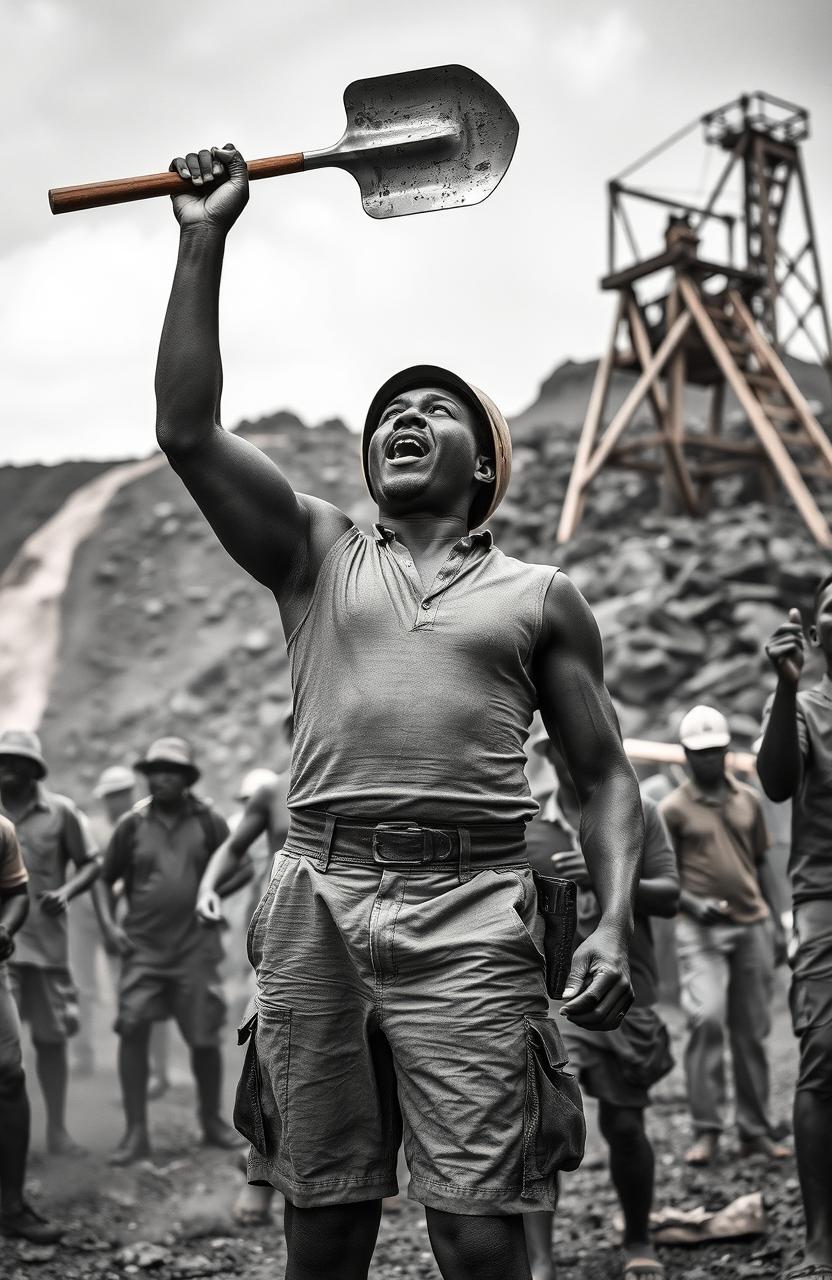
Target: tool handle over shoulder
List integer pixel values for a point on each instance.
(92, 195)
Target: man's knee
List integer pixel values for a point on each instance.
(621, 1127)
(707, 1021)
(12, 1081)
(326, 1231)
(475, 1241)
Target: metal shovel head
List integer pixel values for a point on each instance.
(423, 140)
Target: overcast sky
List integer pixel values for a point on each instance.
(320, 303)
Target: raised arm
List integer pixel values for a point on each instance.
(278, 536)
(577, 712)
(780, 759)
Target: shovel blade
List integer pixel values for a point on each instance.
(423, 140)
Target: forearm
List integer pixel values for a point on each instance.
(779, 759)
(612, 835)
(659, 897)
(189, 368)
(688, 904)
(224, 862)
(768, 888)
(103, 901)
(86, 875)
(14, 908)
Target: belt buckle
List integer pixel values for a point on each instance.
(394, 834)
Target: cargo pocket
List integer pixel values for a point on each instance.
(248, 1108)
(554, 1131)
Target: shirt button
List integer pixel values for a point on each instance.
(425, 604)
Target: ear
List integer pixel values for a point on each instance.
(485, 469)
(814, 638)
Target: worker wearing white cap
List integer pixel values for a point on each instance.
(418, 653)
(725, 939)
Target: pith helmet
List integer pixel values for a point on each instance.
(432, 375)
(22, 742)
(114, 779)
(170, 751)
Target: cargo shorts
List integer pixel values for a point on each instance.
(189, 991)
(811, 994)
(404, 1002)
(47, 999)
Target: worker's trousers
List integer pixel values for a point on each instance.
(726, 974)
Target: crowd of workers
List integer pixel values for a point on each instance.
(147, 878)
(412, 942)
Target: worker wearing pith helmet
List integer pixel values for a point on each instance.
(724, 938)
(418, 653)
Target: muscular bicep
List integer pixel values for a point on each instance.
(574, 701)
(275, 534)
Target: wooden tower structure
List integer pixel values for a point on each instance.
(684, 317)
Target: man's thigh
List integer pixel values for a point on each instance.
(752, 979)
(704, 972)
(47, 1000)
(491, 1112)
(144, 995)
(11, 1058)
(317, 1094)
(198, 1002)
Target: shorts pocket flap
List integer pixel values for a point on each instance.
(249, 1021)
(547, 1039)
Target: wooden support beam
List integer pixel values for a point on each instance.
(768, 436)
(573, 501)
(631, 403)
(788, 386)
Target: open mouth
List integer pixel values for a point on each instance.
(406, 447)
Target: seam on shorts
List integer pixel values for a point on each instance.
(394, 962)
(484, 1193)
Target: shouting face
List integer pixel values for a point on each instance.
(426, 454)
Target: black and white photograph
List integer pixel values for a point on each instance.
(416, 640)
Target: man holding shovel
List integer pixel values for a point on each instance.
(795, 761)
(398, 945)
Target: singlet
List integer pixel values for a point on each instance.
(413, 703)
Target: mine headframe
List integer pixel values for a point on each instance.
(719, 311)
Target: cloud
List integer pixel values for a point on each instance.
(589, 54)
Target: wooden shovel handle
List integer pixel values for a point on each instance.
(94, 194)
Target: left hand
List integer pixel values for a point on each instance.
(598, 991)
(54, 902)
(570, 865)
(781, 946)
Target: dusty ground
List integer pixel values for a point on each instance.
(179, 1202)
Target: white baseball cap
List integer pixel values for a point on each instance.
(704, 727)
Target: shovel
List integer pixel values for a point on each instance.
(421, 140)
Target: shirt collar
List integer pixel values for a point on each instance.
(825, 686)
(482, 537)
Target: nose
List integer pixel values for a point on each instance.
(411, 416)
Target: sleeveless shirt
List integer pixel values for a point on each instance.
(415, 703)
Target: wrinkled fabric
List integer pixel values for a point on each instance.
(396, 679)
(395, 1000)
